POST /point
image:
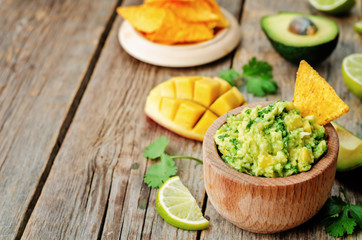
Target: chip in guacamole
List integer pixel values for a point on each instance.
(274, 141)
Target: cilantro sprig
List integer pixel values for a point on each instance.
(158, 173)
(341, 217)
(258, 76)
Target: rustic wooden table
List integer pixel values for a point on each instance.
(72, 127)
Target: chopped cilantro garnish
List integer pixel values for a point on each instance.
(234, 141)
(223, 136)
(285, 141)
(249, 124)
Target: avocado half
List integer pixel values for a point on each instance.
(294, 47)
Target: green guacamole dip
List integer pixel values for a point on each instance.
(274, 141)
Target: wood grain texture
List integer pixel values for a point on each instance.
(46, 48)
(98, 175)
(255, 203)
(254, 43)
(95, 188)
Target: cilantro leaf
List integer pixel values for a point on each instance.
(155, 149)
(356, 213)
(257, 68)
(341, 217)
(333, 206)
(229, 76)
(259, 78)
(337, 227)
(159, 173)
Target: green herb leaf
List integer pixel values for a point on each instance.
(258, 75)
(341, 217)
(223, 136)
(159, 173)
(230, 76)
(333, 206)
(356, 213)
(259, 78)
(155, 149)
(257, 68)
(260, 86)
(338, 226)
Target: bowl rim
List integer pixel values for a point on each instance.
(211, 156)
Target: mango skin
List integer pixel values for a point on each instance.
(189, 105)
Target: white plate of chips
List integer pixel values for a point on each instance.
(187, 55)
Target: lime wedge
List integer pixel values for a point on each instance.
(358, 27)
(333, 7)
(352, 73)
(178, 207)
(350, 149)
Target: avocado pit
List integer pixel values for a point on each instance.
(302, 26)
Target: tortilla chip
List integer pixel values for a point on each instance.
(193, 11)
(144, 18)
(166, 1)
(314, 96)
(176, 21)
(223, 22)
(175, 30)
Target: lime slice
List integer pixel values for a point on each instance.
(352, 73)
(350, 149)
(333, 7)
(178, 207)
(358, 27)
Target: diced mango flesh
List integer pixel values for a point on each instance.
(188, 114)
(189, 105)
(205, 122)
(224, 85)
(185, 87)
(167, 89)
(169, 106)
(228, 101)
(206, 91)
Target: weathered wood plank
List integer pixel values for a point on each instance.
(100, 168)
(254, 43)
(155, 227)
(46, 48)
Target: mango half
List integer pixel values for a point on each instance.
(189, 105)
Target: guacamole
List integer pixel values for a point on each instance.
(274, 141)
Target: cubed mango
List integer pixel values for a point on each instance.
(185, 87)
(167, 89)
(205, 122)
(228, 101)
(169, 107)
(224, 85)
(189, 105)
(206, 91)
(188, 114)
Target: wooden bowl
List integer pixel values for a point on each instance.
(267, 205)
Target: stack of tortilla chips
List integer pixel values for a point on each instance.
(176, 21)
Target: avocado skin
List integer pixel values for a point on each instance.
(311, 54)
